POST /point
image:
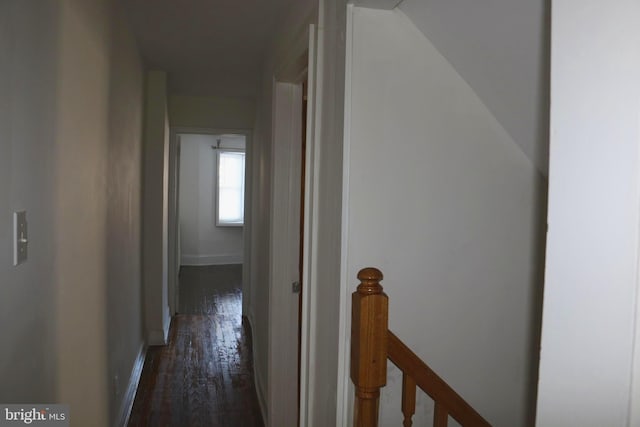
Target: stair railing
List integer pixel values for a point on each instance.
(372, 343)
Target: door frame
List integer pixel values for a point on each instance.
(284, 261)
(310, 234)
(284, 237)
(174, 212)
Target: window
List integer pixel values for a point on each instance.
(230, 205)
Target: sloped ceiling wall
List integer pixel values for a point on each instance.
(500, 47)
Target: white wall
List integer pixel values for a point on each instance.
(155, 208)
(591, 281)
(446, 204)
(211, 112)
(201, 241)
(70, 149)
(500, 47)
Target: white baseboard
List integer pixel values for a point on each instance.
(156, 337)
(160, 336)
(187, 259)
(124, 413)
(259, 383)
(166, 322)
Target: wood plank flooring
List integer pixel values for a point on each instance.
(213, 290)
(204, 377)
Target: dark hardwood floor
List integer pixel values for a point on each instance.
(211, 290)
(204, 377)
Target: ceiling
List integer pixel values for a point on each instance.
(207, 47)
(500, 47)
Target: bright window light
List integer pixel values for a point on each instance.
(230, 207)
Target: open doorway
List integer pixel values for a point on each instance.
(206, 224)
(210, 220)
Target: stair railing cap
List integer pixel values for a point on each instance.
(370, 278)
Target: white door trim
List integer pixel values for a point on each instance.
(310, 238)
(284, 255)
(301, 63)
(345, 392)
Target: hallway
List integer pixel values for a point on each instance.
(204, 377)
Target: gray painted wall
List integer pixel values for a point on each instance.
(28, 98)
(70, 145)
(155, 208)
(211, 112)
(124, 212)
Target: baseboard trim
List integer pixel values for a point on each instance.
(156, 337)
(258, 382)
(129, 397)
(166, 323)
(196, 260)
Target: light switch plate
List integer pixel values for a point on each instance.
(19, 237)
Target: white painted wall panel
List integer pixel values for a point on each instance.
(499, 47)
(447, 205)
(591, 282)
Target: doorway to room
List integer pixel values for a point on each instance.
(208, 220)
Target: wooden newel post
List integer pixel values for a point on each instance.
(369, 326)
